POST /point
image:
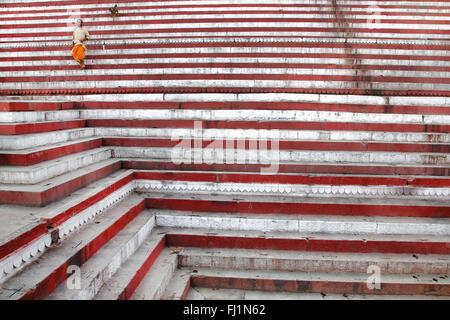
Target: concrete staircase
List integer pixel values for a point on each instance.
(225, 149)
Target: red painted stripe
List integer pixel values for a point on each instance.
(269, 125)
(317, 286)
(22, 240)
(292, 179)
(282, 145)
(300, 208)
(31, 158)
(294, 168)
(59, 275)
(34, 106)
(66, 215)
(40, 127)
(306, 244)
(140, 274)
(42, 198)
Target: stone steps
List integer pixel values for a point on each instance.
(144, 264)
(294, 241)
(35, 155)
(23, 226)
(238, 259)
(348, 283)
(41, 277)
(40, 172)
(102, 266)
(356, 117)
(58, 187)
(278, 222)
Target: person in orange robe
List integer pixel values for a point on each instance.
(80, 36)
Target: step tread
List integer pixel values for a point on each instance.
(46, 147)
(301, 255)
(316, 276)
(238, 294)
(178, 285)
(58, 180)
(300, 236)
(288, 217)
(157, 279)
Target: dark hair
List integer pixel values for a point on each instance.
(81, 20)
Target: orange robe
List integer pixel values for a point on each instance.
(78, 53)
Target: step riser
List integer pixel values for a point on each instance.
(32, 158)
(289, 139)
(318, 286)
(300, 208)
(252, 144)
(307, 192)
(33, 176)
(30, 128)
(268, 157)
(269, 125)
(32, 141)
(331, 265)
(39, 106)
(313, 245)
(102, 5)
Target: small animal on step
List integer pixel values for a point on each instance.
(114, 11)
